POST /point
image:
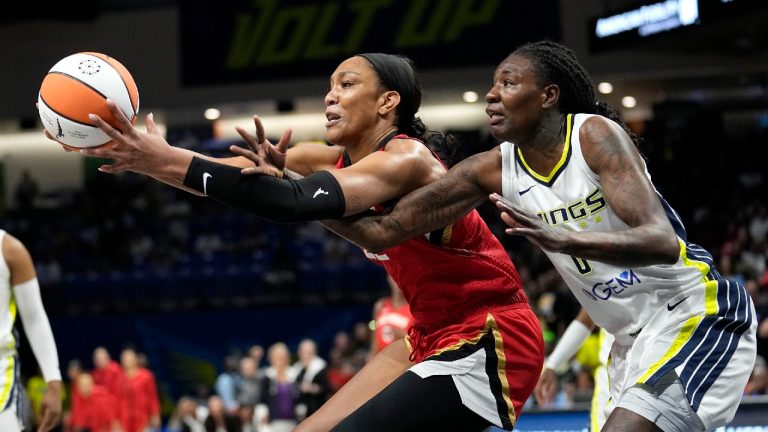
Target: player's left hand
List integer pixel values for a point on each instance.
(524, 223)
(50, 407)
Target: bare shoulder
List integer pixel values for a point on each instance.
(408, 146)
(597, 129)
(606, 145)
(414, 154)
(18, 259)
(14, 250)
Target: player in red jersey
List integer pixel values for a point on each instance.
(475, 347)
(391, 316)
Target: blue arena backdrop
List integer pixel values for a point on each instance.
(248, 40)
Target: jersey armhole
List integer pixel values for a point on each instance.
(578, 121)
(507, 169)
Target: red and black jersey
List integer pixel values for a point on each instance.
(447, 272)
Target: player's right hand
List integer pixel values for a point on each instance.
(267, 158)
(546, 387)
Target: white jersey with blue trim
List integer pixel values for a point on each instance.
(619, 299)
(7, 306)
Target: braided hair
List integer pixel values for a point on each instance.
(557, 64)
(397, 73)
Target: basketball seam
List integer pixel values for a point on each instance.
(47, 105)
(134, 111)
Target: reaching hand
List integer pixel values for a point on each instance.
(524, 223)
(267, 158)
(131, 150)
(50, 408)
(546, 387)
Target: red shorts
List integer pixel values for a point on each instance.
(494, 353)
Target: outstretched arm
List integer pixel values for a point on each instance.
(428, 208)
(649, 237)
(325, 193)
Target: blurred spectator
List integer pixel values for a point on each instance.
(247, 417)
(758, 226)
(26, 191)
(74, 369)
(226, 384)
(248, 386)
(758, 381)
(139, 402)
(278, 395)
(184, 418)
(340, 370)
(361, 345)
(391, 317)
(219, 420)
(95, 410)
(312, 379)
(256, 352)
(107, 372)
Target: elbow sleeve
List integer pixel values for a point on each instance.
(317, 196)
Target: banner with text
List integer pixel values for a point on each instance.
(250, 40)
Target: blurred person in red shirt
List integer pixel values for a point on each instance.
(106, 372)
(138, 402)
(95, 408)
(392, 317)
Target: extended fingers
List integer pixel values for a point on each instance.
(105, 127)
(260, 134)
(48, 420)
(248, 154)
(248, 138)
(125, 124)
(282, 145)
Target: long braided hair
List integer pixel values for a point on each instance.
(557, 64)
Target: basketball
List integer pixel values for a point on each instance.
(79, 85)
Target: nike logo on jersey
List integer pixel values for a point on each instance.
(524, 191)
(206, 176)
(319, 191)
(671, 307)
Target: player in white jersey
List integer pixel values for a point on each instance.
(569, 344)
(20, 291)
(576, 186)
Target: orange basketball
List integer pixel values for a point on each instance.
(79, 85)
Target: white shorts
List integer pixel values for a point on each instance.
(664, 404)
(710, 354)
(9, 393)
(602, 405)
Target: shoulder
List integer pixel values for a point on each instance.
(597, 129)
(407, 145)
(14, 250)
(605, 144)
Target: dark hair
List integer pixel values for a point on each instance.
(557, 64)
(398, 73)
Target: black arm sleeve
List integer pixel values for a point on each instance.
(317, 196)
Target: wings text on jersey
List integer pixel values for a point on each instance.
(585, 207)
